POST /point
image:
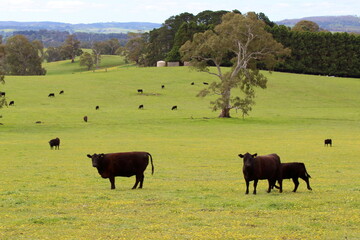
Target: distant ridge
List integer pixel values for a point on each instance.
(347, 23)
(108, 27)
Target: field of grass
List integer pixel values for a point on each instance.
(197, 190)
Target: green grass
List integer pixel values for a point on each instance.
(197, 191)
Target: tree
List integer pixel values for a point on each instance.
(97, 48)
(2, 71)
(244, 37)
(86, 60)
(22, 56)
(134, 49)
(306, 26)
(72, 48)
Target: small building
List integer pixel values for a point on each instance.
(173, 64)
(161, 64)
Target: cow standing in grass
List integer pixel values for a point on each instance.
(123, 164)
(55, 143)
(295, 170)
(256, 168)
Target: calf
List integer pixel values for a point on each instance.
(54, 143)
(123, 164)
(295, 170)
(174, 108)
(261, 167)
(328, 142)
(51, 95)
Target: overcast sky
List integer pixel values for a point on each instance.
(157, 11)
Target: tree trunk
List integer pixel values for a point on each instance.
(225, 113)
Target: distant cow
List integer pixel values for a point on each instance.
(141, 106)
(162, 86)
(140, 91)
(205, 83)
(123, 164)
(174, 108)
(295, 170)
(261, 167)
(51, 95)
(61, 92)
(2, 94)
(11, 103)
(85, 118)
(54, 143)
(192, 83)
(97, 108)
(38, 122)
(328, 142)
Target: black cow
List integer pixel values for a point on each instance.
(192, 83)
(11, 103)
(85, 118)
(295, 170)
(141, 106)
(205, 83)
(51, 95)
(140, 91)
(174, 108)
(97, 108)
(38, 122)
(54, 143)
(162, 86)
(61, 92)
(2, 94)
(123, 164)
(261, 167)
(328, 142)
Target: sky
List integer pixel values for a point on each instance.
(157, 11)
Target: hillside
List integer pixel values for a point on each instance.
(330, 23)
(110, 27)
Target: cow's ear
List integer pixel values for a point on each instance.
(240, 155)
(254, 155)
(89, 156)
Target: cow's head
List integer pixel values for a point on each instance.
(96, 159)
(248, 159)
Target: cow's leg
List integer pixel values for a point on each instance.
(306, 179)
(136, 181)
(255, 185)
(280, 185)
(296, 182)
(271, 183)
(247, 186)
(112, 181)
(141, 180)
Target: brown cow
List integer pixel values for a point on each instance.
(295, 170)
(261, 167)
(123, 164)
(54, 143)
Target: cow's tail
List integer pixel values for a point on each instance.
(152, 165)
(306, 173)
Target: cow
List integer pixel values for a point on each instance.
(162, 86)
(205, 83)
(174, 108)
(97, 108)
(192, 83)
(61, 92)
(122, 164)
(2, 94)
(141, 106)
(54, 143)
(328, 142)
(38, 122)
(295, 170)
(261, 167)
(140, 91)
(11, 103)
(51, 95)
(85, 118)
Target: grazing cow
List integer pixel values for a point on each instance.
(54, 143)
(140, 91)
(162, 86)
(192, 83)
(51, 95)
(38, 122)
(141, 106)
(261, 167)
(205, 83)
(328, 142)
(174, 108)
(85, 118)
(61, 92)
(97, 108)
(123, 164)
(2, 94)
(295, 170)
(11, 103)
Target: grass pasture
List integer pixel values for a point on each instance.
(197, 190)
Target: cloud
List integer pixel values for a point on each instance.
(65, 4)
